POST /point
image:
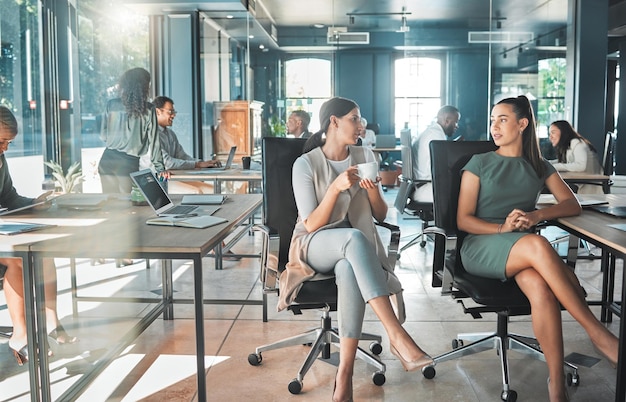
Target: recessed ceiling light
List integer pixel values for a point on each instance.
(261, 46)
(318, 26)
(229, 16)
(251, 36)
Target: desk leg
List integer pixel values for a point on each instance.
(199, 314)
(42, 331)
(168, 289)
(620, 386)
(217, 254)
(31, 331)
(217, 186)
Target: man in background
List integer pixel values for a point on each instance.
(298, 124)
(174, 156)
(444, 126)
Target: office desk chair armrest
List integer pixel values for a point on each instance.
(440, 256)
(394, 241)
(269, 258)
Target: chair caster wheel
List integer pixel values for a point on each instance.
(572, 379)
(429, 372)
(509, 396)
(378, 378)
(295, 386)
(255, 359)
(376, 348)
(422, 244)
(457, 343)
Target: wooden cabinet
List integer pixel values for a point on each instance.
(237, 123)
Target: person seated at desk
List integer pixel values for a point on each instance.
(335, 233)
(444, 126)
(174, 156)
(367, 137)
(574, 154)
(497, 211)
(298, 124)
(13, 279)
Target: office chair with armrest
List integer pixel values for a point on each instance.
(492, 295)
(404, 202)
(279, 218)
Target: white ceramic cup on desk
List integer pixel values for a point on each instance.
(368, 170)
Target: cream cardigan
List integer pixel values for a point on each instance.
(353, 203)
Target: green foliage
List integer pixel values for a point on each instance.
(277, 127)
(66, 181)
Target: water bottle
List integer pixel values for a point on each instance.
(48, 183)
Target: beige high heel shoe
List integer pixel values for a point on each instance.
(413, 365)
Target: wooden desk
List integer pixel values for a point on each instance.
(586, 178)
(119, 230)
(217, 177)
(592, 227)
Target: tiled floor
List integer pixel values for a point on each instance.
(160, 364)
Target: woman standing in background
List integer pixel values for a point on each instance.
(574, 154)
(129, 130)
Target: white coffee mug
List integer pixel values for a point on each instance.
(368, 170)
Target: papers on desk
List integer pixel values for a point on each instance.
(196, 222)
(12, 228)
(584, 202)
(620, 226)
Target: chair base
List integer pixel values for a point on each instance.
(320, 340)
(502, 341)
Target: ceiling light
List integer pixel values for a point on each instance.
(318, 26)
(229, 16)
(261, 46)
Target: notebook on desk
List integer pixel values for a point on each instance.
(156, 197)
(618, 212)
(13, 228)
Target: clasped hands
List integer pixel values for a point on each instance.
(351, 176)
(518, 220)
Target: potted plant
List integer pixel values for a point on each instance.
(66, 182)
(388, 172)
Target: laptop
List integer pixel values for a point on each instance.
(618, 212)
(229, 161)
(385, 141)
(158, 199)
(5, 211)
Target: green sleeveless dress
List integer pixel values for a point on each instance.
(506, 183)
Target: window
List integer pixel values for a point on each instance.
(417, 92)
(551, 94)
(308, 85)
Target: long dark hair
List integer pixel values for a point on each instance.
(134, 85)
(530, 143)
(567, 135)
(336, 106)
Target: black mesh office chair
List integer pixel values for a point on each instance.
(492, 295)
(279, 218)
(404, 202)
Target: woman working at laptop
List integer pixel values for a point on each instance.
(13, 279)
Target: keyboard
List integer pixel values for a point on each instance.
(181, 209)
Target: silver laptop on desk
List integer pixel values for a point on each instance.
(229, 161)
(385, 141)
(158, 199)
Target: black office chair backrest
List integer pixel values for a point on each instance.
(447, 160)
(375, 127)
(608, 158)
(279, 206)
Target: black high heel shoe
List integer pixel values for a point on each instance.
(21, 356)
(61, 337)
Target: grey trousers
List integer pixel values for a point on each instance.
(359, 274)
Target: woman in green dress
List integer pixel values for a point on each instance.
(497, 209)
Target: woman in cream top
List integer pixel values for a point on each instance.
(574, 154)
